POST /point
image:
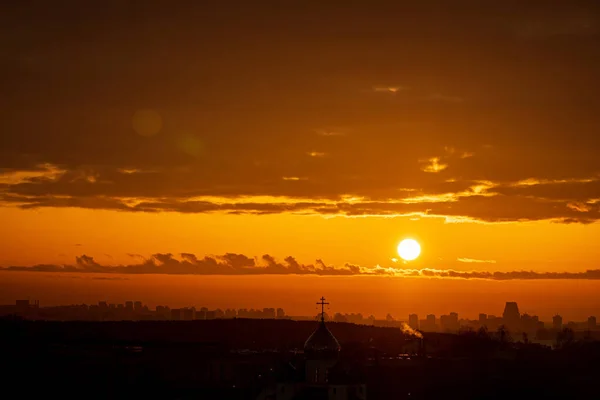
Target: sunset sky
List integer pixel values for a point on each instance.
(265, 153)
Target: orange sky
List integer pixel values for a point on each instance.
(58, 235)
(33, 237)
(206, 140)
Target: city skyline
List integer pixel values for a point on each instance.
(573, 299)
(511, 318)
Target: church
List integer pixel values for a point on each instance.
(322, 375)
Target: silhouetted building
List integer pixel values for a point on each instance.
(530, 323)
(557, 322)
(449, 323)
(188, 314)
(591, 323)
(428, 324)
(413, 321)
(321, 380)
(162, 312)
(201, 314)
(511, 316)
(321, 352)
(482, 319)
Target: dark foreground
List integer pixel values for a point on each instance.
(237, 359)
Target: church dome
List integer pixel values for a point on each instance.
(321, 341)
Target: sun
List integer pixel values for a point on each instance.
(409, 249)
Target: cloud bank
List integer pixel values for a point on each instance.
(239, 264)
(505, 129)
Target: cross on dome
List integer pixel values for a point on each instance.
(322, 303)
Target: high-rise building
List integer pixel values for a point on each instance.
(428, 324)
(280, 313)
(163, 312)
(557, 322)
(137, 306)
(201, 314)
(413, 321)
(530, 323)
(211, 314)
(454, 321)
(449, 323)
(591, 322)
(511, 316)
(188, 314)
(445, 323)
(482, 319)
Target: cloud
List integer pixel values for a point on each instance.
(455, 201)
(329, 132)
(473, 260)
(38, 172)
(433, 164)
(135, 255)
(519, 110)
(581, 207)
(190, 264)
(388, 89)
(292, 178)
(593, 274)
(239, 264)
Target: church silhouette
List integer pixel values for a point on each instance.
(323, 376)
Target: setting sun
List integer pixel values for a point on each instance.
(409, 249)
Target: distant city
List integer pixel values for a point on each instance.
(511, 318)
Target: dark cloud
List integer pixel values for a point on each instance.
(582, 190)
(190, 264)
(84, 261)
(592, 274)
(511, 86)
(488, 206)
(239, 264)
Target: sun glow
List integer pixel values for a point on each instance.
(409, 249)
